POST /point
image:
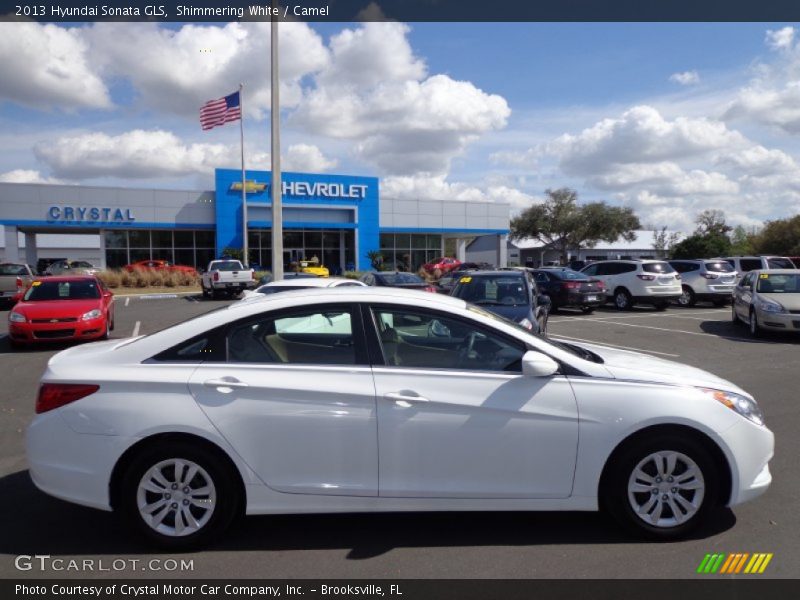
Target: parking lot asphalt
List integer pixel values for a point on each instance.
(453, 545)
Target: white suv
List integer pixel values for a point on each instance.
(631, 281)
(711, 279)
(744, 264)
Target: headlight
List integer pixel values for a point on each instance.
(92, 314)
(770, 306)
(743, 405)
(526, 324)
(15, 317)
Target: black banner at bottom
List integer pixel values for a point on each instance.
(402, 589)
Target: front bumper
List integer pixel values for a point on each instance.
(778, 321)
(29, 333)
(750, 447)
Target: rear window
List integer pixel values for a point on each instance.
(13, 270)
(720, 266)
(780, 263)
(658, 267)
(274, 289)
(571, 275)
(399, 278)
(233, 265)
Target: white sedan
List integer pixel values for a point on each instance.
(370, 399)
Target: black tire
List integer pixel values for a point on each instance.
(719, 303)
(661, 305)
(623, 299)
(755, 328)
(616, 499)
(216, 468)
(106, 333)
(206, 293)
(734, 317)
(688, 297)
(542, 321)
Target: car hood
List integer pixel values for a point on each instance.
(513, 313)
(623, 364)
(50, 309)
(787, 301)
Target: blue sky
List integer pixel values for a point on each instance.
(667, 118)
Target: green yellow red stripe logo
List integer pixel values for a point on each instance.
(734, 563)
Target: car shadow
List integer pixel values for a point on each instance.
(739, 333)
(41, 524)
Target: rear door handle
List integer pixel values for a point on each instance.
(225, 382)
(405, 397)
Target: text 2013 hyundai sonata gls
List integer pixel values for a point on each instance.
(371, 399)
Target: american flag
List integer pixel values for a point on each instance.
(219, 112)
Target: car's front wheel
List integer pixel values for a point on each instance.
(662, 487)
(755, 328)
(179, 495)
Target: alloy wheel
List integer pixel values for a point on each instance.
(666, 489)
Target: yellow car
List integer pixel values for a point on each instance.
(307, 266)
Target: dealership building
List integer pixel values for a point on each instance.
(340, 219)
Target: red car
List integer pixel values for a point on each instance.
(159, 265)
(62, 308)
(445, 264)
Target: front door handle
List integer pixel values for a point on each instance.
(225, 384)
(405, 398)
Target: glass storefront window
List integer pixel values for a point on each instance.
(387, 241)
(312, 239)
(435, 242)
(163, 254)
(204, 239)
(184, 239)
(184, 257)
(162, 239)
(116, 259)
(418, 259)
(204, 256)
(402, 241)
(418, 241)
(137, 254)
(138, 238)
(330, 239)
(254, 239)
(116, 239)
(292, 239)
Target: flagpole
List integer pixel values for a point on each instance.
(245, 242)
(276, 187)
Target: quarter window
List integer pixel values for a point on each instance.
(322, 336)
(424, 340)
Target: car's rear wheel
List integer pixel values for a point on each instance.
(179, 495)
(623, 299)
(662, 487)
(206, 293)
(687, 298)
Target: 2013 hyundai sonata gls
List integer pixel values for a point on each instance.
(371, 399)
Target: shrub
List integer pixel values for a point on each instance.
(110, 278)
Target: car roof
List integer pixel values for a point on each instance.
(311, 282)
(628, 260)
(777, 271)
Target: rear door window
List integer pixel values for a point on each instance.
(720, 266)
(748, 264)
(658, 267)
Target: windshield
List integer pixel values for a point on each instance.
(62, 290)
(80, 264)
(231, 265)
(399, 278)
(496, 290)
(657, 267)
(571, 275)
(13, 270)
(720, 266)
(769, 283)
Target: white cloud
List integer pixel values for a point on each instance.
(26, 176)
(782, 39)
(304, 158)
(438, 188)
(528, 159)
(46, 66)
(135, 154)
(376, 93)
(685, 78)
(177, 70)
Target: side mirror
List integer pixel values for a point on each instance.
(536, 364)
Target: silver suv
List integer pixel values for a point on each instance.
(744, 264)
(705, 280)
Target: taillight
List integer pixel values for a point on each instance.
(19, 283)
(677, 276)
(710, 275)
(430, 288)
(54, 395)
(646, 277)
(216, 275)
(570, 285)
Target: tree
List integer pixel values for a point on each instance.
(663, 241)
(564, 224)
(709, 239)
(741, 242)
(781, 237)
(712, 222)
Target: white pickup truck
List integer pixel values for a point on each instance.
(226, 277)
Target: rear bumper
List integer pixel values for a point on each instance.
(650, 298)
(581, 299)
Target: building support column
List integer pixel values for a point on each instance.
(102, 264)
(30, 249)
(461, 249)
(502, 251)
(12, 244)
(341, 251)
